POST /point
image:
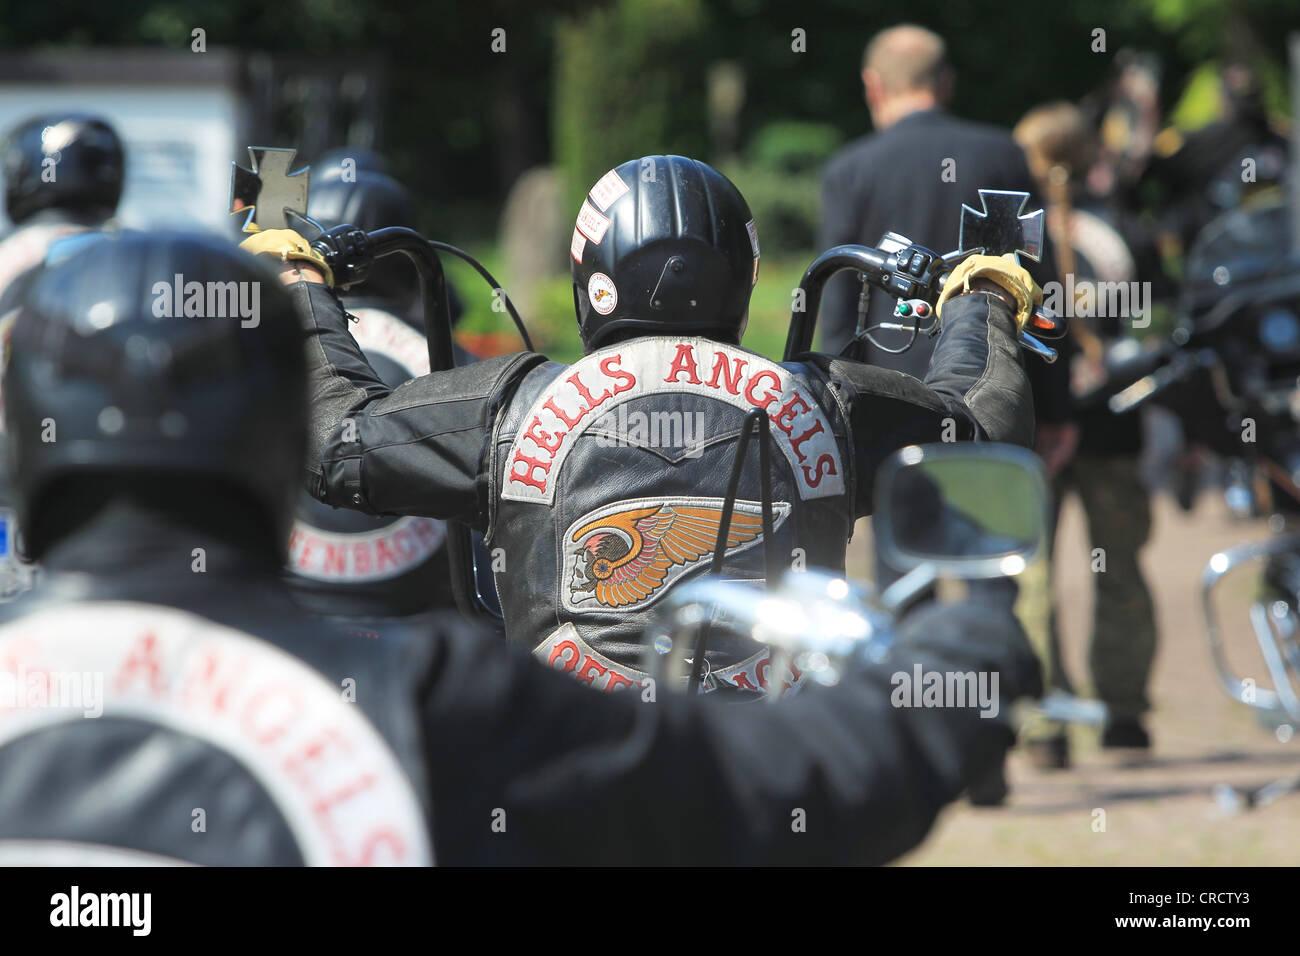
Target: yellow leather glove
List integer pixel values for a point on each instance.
(286, 245)
(1003, 270)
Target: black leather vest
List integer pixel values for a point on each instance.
(608, 478)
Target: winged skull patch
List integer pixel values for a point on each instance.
(627, 555)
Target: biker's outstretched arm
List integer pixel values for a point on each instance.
(435, 426)
(975, 388)
(835, 775)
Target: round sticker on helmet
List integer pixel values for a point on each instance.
(601, 292)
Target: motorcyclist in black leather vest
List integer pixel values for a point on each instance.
(600, 485)
(161, 666)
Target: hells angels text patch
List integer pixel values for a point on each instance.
(609, 377)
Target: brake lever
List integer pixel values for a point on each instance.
(1044, 352)
(1046, 325)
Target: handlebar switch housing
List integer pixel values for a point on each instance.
(349, 252)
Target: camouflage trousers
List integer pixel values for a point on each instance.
(1123, 641)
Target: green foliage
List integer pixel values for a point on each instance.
(793, 147)
(1199, 105)
(555, 330)
(786, 206)
(629, 82)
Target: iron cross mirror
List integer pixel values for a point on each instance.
(272, 197)
(1000, 228)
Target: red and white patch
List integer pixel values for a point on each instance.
(591, 223)
(577, 245)
(378, 331)
(602, 293)
(565, 651)
(648, 366)
(330, 773)
(369, 556)
(607, 189)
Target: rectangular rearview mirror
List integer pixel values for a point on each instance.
(970, 509)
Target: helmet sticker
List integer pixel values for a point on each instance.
(753, 241)
(601, 291)
(608, 188)
(577, 245)
(591, 223)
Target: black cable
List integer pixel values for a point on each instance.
(755, 419)
(479, 268)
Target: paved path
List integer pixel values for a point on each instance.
(1161, 813)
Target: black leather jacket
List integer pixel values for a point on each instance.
(599, 485)
(227, 736)
(349, 564)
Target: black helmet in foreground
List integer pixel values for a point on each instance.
(156, 355)
(663, 245)
(67, 161)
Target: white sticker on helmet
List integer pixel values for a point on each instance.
(608, 188)
(591, 223)
(752, 229)
(577, 245)
(601, 291)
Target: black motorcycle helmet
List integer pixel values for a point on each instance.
(69, 161)
(351, 159)
(103, 383)
(663, 245)
(370, 201)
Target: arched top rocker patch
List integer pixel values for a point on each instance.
(607, 378)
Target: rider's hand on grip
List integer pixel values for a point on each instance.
(349, 252)
(1006, 272)
(286, 245)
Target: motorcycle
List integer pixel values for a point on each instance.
(1229, 372)
(950, 511)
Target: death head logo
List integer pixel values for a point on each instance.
(626, 555)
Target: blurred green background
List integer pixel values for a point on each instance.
(765, 90)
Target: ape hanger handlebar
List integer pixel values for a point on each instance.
(913, 274)
(350, 253)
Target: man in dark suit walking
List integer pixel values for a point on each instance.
(911, 176)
